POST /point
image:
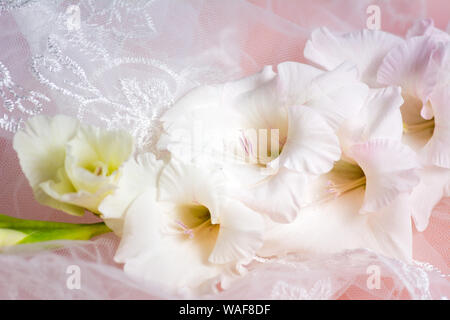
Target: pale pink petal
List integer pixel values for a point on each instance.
(235, 88)
(389, 167)
(137, 176)
(412, 66)
(427, 194)
(205, 123)
(240, 234)
(437, 150)
(391, 226)
(335, 226)
(336, 95)
(189, 184)
(279, 196)
(365, 48)
(172, 261)
(379, 118)
(425, 27)
(311, 145)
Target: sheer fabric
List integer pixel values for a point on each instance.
(120, 64)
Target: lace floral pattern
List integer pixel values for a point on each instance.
(16, 99)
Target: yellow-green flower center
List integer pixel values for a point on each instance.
(99, 168)
(193, 218)
(418, 127)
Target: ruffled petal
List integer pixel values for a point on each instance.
(260, 108)
(335, 226)
(207, 100)
(235, 88)
(389, 167)
(311, 145)
(279, 196)
(240, 234)
(92, 149)
(41, 147)
(379, 118)
(336, 95)
(366, 49)
(392, 229)
(437, 150)
(189, 184)
(172, 261)
(425, 27)
(218, 113)
(137, 176)
(428, 193)
(81, 200)
(413, 66)
(65, 197)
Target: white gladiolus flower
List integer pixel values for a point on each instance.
(294, 113)
(365, 48)
(181, 228)
(71, 167)
(420, 65)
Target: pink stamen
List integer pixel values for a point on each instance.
(246, 144)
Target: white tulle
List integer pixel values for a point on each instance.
(122, 67)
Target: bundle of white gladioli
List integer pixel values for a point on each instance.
(295, 158)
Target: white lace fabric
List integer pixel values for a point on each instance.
(120, 65)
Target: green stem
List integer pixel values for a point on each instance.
(38, 231)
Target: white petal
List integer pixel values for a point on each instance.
(336, 94)
(311, 145)
(198, 98)
(335, 226)
(202, 120)
(172, 261)
(261, 107)
(41, 147)
(428, 193)
(411, 65)
(425, 27)
(234, 88)
(65, 197)
(279, 195)
(392, 229)
(137, 176)
(240, 235)
(78, 199)
(379, 118)
(365, 48)
(189, 184)
(208, 100)
(437, 150)
(294, 80)
(389, 167)
(91, 147)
